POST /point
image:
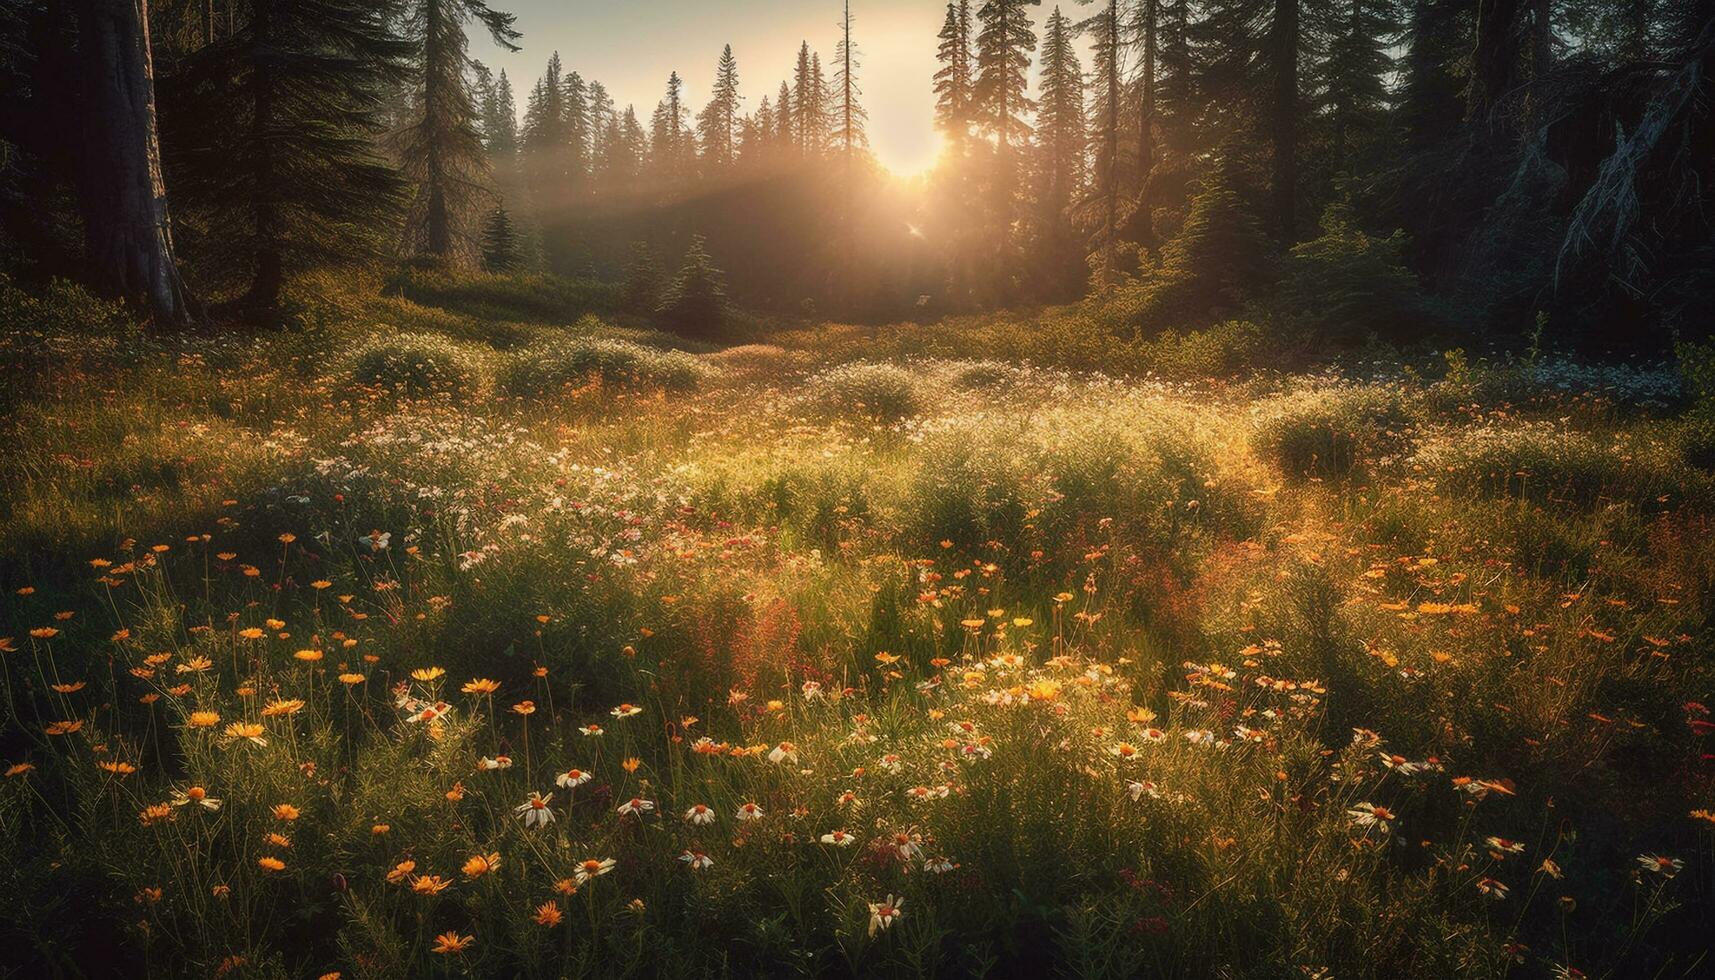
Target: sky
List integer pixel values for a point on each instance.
(631, 45)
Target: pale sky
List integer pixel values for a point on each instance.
(631, 45)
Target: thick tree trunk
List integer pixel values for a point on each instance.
(1496, 62)
(1283, 44)
(120, 190)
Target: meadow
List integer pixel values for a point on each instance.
(448, 636)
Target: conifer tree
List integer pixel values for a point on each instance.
(276, 129)
(544, 132)
(785, 120)
(500, 119)
(1109, 53)
(577, 126)
(849, 133)
(1060, 144)
(640, 292)
(499, 242)
(695, 304)
(809, 103)
(1220, 258)
(441, 150)
(1354, 87)
(717, 124)
(953, 81)
(668, 140)
(1004, 42)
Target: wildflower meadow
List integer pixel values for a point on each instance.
(343, 655)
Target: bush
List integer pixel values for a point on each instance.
(1222, 350)
(416, 365)
(1543, 463)
(1328, 431)
(883, 392)
(1347, 284)
(551, 367)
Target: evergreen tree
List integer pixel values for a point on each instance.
(695, 303)
(1109, 53)
(602, 114)
(578, 131)
(1146, 38)
(1004, 43)
(442, 151)
(953, 81)
(785, 120)
(276, 128)
(1179, 106)
(670, 153)
(849, 128)
(500, 118)
(544, 132)
(1060, 144)
(499, 242)
(1220, 258)
(641, 290)
(717, 124)
(1355, 75)
(809, 104)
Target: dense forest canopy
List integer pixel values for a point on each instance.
(1433, 164)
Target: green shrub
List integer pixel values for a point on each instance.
(695, 303)
(553, 366)
(1546, 464)
(416, 365)
(1222, 350)
(1329, 431)
(882, 392)
(1347, 284)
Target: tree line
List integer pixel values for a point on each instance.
(1507, 156)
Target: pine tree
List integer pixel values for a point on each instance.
(1220, 258)
(544, 132)
(670, 154)
(1354, 89)
(849, 129)
(809, 104)
(785, 120)
(953, 81)
(442, 151)
(695, 303)
(1179, 105)
(500, 119)
(499, 242)
(1060, 144)
(1060, 133)
(577, 126)
(640, 292)
(1109, 53)
(276, 131)
(717, 124)
(1146, 38)
(1004, 43)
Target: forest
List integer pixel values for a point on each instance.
(1242, 506)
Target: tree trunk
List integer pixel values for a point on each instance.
(1495, 64)
(1283, 43)
(1146, 115)
(120, 190)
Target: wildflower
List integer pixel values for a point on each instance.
(839, 838)
(1657, 864)
(919, 794)
(427, 674)
(497, 762)
(749, 811)
(1124, 751)
(812, 691)
(379, 829)
(631, 763)
(1399, 764)
(535, 810)
(700, 814)
(271, 863)
(784, 752)
(203, 719)
(248, 731)
(1153, 735)
(308, 656)
(590, 729)
(448, 943)
(194, 665)
(195, 795)
(882, 913)
(892, 763)
(481, 686)
(1138, 789)
(938, 865)
(1500, 846)
(697, 859)
(118, 767)
(401, 871)
(1373, 815)
(1494, 889)
(280, 707)
(525, 708)
(429, 884)
(154, 814)
(626, 711)
(548, 914)
(481, 864)
(72, 688)
(635, 806)
(351, 680)
(572, 778)
(593, 868)
(906, 844)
